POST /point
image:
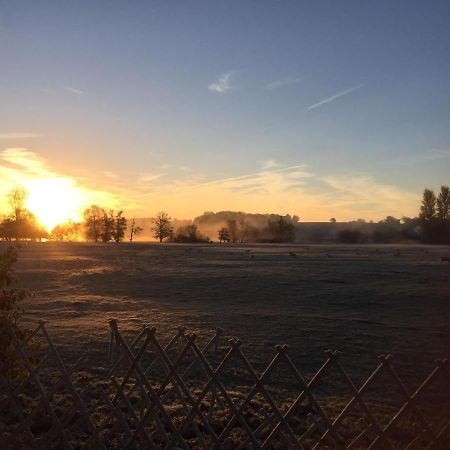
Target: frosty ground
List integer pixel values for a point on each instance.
(361, 300)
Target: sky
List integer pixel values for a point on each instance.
(321, 109)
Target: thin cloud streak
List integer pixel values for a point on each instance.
(335, 96)
(223, 84)
(74, 90)
(283, 82)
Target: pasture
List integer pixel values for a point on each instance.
(361, 300)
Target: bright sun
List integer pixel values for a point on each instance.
(55, 200)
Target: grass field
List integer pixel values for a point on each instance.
(362, 300)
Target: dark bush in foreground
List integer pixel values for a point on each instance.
(10, 298)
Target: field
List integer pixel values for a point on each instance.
(361, 300)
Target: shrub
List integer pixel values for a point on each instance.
(10, 311)
(188, 234)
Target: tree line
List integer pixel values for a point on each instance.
(435, 216)
(99, 224)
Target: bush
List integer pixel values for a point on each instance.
(188, 234)
(10, 310)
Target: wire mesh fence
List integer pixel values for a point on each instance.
(193, 393)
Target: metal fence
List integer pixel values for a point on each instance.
(184, 394)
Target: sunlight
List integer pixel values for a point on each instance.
(55, 200)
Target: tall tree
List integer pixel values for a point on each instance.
(120, 225)
(443, 203)
(107, 226)
(162, 226)
(428, 206)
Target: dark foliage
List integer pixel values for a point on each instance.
(10, 311)
(435, 216)
(188, 234)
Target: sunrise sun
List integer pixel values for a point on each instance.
(55, 200)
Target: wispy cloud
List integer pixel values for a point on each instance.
(283, 82)
(74, 90)
(58, 90)
(25, 161)
(335, 96)
(269, 164)
(20, 135)
(223, 83)
(148, 179)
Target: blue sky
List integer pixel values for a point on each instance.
(164, 104)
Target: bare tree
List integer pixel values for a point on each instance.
(163, 226)
(134, 229)
(16, 200)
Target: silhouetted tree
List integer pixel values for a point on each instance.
(224, 235)
(162, 226)
(120, 225)
(21, 223)
(281, 230)
(16, 200)
(93, 217)
(188, 234)
(107, 226)
(134, 230)
(434, 216)
(428, 206)
(443, 204)
(332, 220)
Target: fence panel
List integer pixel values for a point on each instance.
(184, 395)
